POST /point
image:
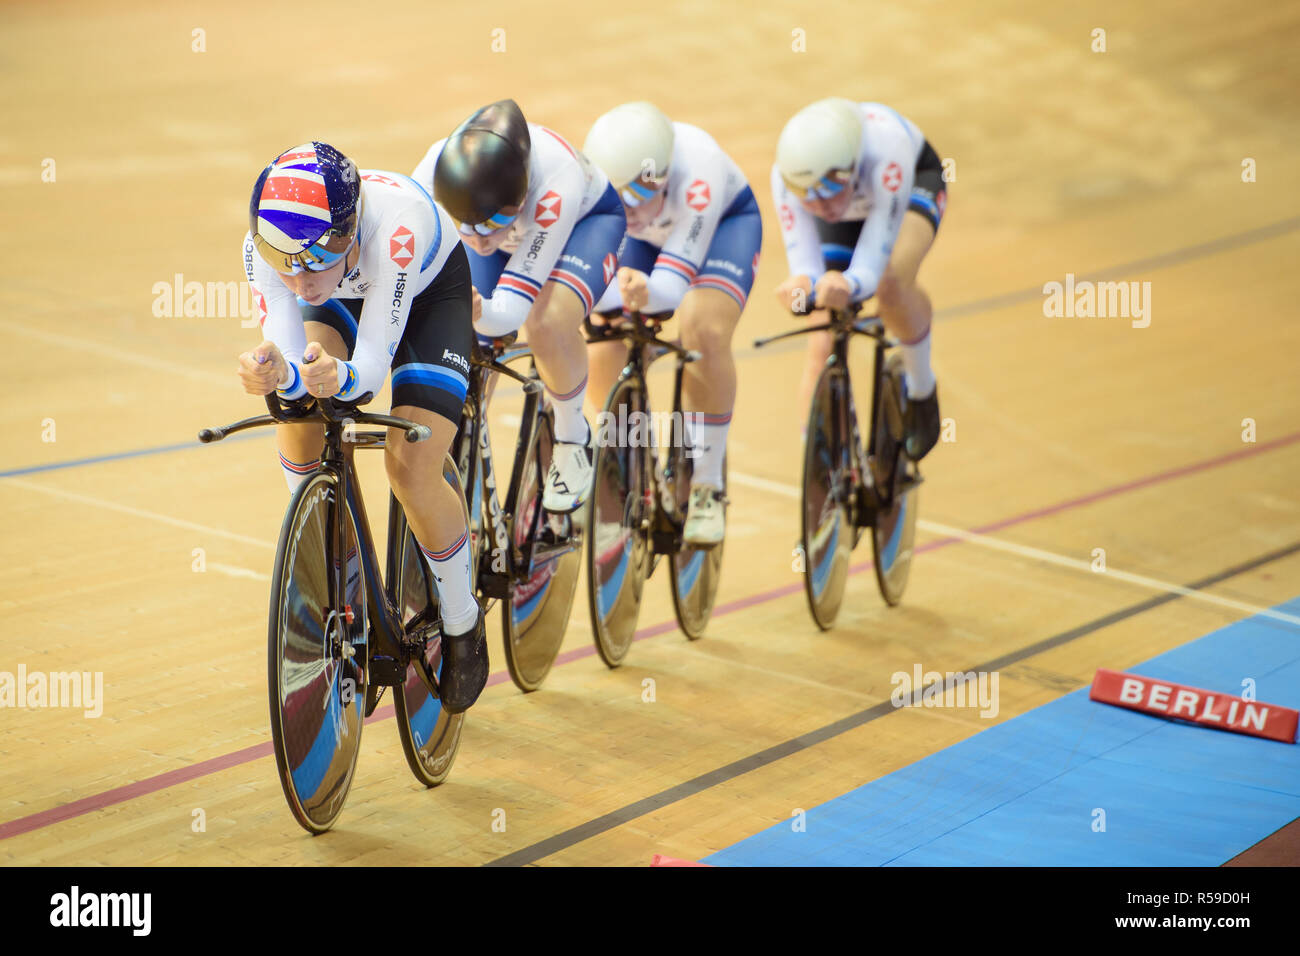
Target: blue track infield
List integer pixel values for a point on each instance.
(1028, 792)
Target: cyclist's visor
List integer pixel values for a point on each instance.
(829, 186)
(494, 223)
(641, 189)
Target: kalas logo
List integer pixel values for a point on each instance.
(787, 217)
(609, 266)
(548, 209)
(697, 195)
(401, 247)
(893, 177)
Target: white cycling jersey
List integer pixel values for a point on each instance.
(882, 187)
(703, 181)
(563, 186)
(405, 240)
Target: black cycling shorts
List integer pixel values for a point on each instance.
(430, 368)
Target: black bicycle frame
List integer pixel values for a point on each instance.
(642, 335)
(474, 440)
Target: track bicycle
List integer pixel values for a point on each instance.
(339, 634)
(527, 557)
(639, 499)
(848, 487)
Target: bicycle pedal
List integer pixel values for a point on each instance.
(387, 672)
(664, 542)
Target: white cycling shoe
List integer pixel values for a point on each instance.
(706, 522)
(568, 481)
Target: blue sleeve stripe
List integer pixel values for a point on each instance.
(350, 382)
(293, 385)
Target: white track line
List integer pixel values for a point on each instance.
(122, 355)
(237, 572)
(1081, 565)
(140, 513)
(996, 544)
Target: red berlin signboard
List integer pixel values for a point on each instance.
(1208, 708)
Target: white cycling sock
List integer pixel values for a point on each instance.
(570, 423)
(450, 568)
(708, 437)
(917, 374)
(295, 474)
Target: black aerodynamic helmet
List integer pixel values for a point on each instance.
(484, 163)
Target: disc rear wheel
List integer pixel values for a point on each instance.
(618, 522)
(894, 529)
(430, 736)
(695, 570)
(536, 614)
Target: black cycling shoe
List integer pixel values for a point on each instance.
(921, 424)
(464, 667)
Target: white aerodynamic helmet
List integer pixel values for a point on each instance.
(633, 144)
(818, 148)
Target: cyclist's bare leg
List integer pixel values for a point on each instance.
(604, 361)
(554, 332)
(906, 312)
(905, 309)
(432, 507)
(708, 318)
(301, 444)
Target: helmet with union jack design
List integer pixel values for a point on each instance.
(305, 208)
(819, 148)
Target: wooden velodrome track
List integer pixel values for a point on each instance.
(1071, 433)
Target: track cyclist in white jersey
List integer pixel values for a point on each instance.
(694, 234)
(860, 193)
(544, 229)
(354, 274)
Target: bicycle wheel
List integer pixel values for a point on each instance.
(694, 570)
(536, 614)
(896, 478)
(827, 534)
(316, 655)
(430, 736)
(618, 519)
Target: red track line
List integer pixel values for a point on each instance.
(162, 781)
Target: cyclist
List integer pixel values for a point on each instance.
(354, 273)
(544, 229)
(860, 192)
(694, 234)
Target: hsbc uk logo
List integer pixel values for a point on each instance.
(376, 178)
(609, 266)
(697, 195)
(401, 247)
(548, 209)
(892, 177)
